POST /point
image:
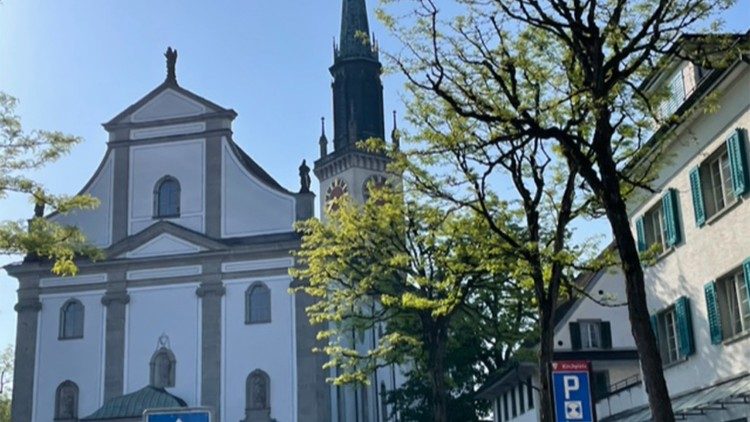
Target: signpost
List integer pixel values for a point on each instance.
(571, 385)
(178, 415)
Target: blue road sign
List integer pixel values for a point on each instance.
(177, 415)
(572, 391)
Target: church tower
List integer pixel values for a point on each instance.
(357, 112)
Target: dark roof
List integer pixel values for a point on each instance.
(256, 169)
(354, 27)
(134, 404)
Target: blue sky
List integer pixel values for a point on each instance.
(76, 64)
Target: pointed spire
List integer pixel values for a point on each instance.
(323, 141)
(395, 134)
(171, 56)
(355, 30)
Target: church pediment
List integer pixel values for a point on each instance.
(163, 239)
(167, 102)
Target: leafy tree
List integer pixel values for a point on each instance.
(6, 377)
(20, 154)
(569, 73)
(412, 266)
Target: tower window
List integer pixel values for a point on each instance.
(71, 320)
(167, 198)
(66, 402)
(258, 304)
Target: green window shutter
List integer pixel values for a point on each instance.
(746, 271)
(669, 204)
(714, 318)
(738, 162)
(684, 326)
(641, 233)
(655, 326)
(606, 332)
(575, 335)
(698, 205)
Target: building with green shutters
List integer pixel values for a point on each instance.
(697, 224)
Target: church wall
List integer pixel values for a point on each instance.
(172, 310)
(77, 360)
(269, 347)
(96, 223)
(249, 207)
(149, 164)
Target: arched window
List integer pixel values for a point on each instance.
(258, 391)
(71, 320)
(257, 304)
(167, 198)
(163, 366)
(66, 402)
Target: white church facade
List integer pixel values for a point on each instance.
(191, 306)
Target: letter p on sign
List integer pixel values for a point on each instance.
(570, 384)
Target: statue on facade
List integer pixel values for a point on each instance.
(171, 56)
(304, 177)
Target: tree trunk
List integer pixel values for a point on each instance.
(546, 349)
(645, 340)
(436, 339)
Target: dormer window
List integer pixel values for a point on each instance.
(167, 198)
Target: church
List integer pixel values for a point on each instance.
(191, 306)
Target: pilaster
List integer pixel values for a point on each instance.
(28, 308)
(115, 300)
(211, 292)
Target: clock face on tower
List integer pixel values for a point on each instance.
(373, 182)
(337, 189)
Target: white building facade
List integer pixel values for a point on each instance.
(191, 306)
(697, 288)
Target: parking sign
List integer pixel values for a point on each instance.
(572, 391)
(177, 415)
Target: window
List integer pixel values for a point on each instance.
(716, 182)
(71, 320)
(66, 402)
(733, 304)
(673, 327)
(383, 403)
(530, 393)
(600, 387)
(506, 414)
(590, 334)
(660, 225)
(167, 198)
(258, 304)
(163, 368)
(258, 391)
(721, 179)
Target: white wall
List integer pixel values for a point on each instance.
(611, 284)
(77, 360)
(706, 253)
(174, 311)
(96, 224)
(269, 347)
(249, 206)
(185, 161)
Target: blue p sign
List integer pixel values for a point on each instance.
(572, 392)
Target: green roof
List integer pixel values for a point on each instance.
(134, 404)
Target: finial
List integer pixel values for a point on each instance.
(171, 56)
(323, 141)
(304, 177)
(395, 135)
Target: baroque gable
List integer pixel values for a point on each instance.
(163, 239)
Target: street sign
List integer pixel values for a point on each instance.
(177, 415)
(571, 385)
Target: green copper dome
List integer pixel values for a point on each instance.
(134, 404)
